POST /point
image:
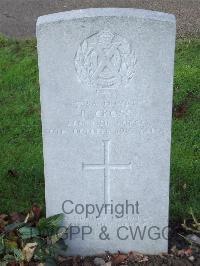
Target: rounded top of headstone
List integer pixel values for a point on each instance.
(107, 12)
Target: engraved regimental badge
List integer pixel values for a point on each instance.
(105, 61)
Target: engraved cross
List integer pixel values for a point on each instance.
(107, 167)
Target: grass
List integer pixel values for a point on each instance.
(185, 159)
(21, 168)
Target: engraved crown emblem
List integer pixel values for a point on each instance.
(105, 61)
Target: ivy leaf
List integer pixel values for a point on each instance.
(40, 253)
(58, 249)
(11, 227)
(18, 254)
(8, 258)
(55, 238)
(28, 232)
(56, 219)
(50, 222)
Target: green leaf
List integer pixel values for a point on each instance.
(18, 254)
(50, 224)
(40, 253)
(52, 221)
(8, 258)
(59, 234)
(48, 231)
(40, 241)
(58, 249)
(28, 232)
(13, 226)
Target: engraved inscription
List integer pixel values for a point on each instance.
(107, 167)
(105, 61)
(105, 118)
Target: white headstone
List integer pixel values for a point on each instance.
(106, 78)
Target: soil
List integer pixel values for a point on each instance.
(169, 260)
(18, 17)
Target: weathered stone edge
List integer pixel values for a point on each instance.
(110, 12)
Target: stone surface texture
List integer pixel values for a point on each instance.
(106, 78)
